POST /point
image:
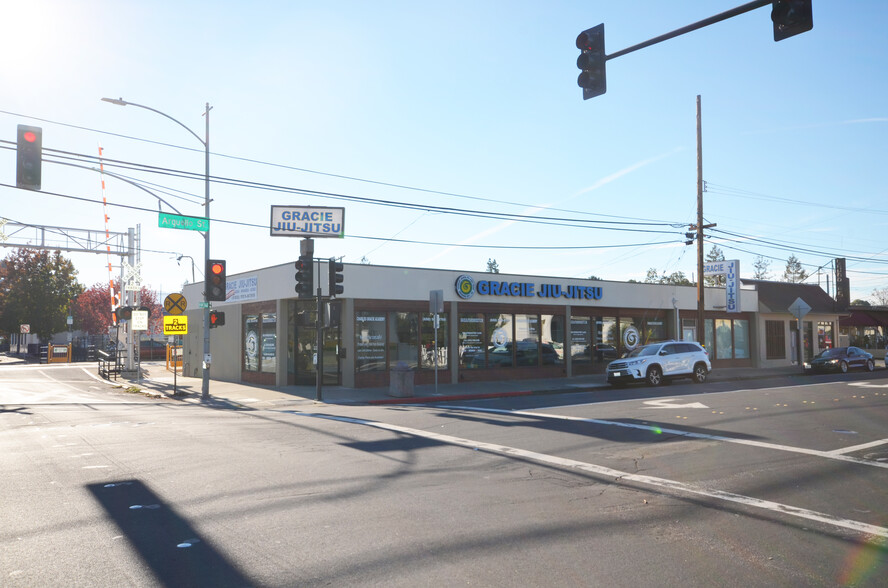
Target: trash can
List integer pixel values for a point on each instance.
(401, 381)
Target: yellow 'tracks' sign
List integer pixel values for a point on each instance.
(175, 325)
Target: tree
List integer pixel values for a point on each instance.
(881, 296)
(860, 302)
(761, 267)
(92, 309)
(594, 277)
(492, 266)
(794, 271)
(715, 254)
(676, 278)
(38, 289)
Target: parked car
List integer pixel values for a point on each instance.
(657, 362)
(841, 359)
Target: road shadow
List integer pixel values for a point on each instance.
(164, 540)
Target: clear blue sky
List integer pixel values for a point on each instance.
(475, 106)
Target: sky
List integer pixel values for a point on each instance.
(453, 133)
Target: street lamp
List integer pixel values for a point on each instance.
(205, 386)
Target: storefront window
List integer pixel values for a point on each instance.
(269, 343)
(654, 330)
(251, 343)
(581, 339)
(527, 339)
(427, 353)
(552, 338)
(708, 335)
(499, 340)
(724, 339)
(741, 339)
(471, 341)
(824, 335)
(403, 338)
(688, 329)
(608, 332)
(369, 341)
(260, 342)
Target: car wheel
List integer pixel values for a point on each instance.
(843, 367)
(654, 376)
(700, 373)
(870, 365)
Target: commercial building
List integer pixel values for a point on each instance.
(490, 326)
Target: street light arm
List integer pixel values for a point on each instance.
(122, 102)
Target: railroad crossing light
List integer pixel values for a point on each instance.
(791, 17)
(125, 313)
(335, 271)
(216, 278)
(29, 157)
(217, 318)
(593, 78)
(304, 276)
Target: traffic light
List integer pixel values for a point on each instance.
(215, 276)
(791, 17)
(29, 157)
(593, 78)
(304, 277)
(217, 318)
(335, 273)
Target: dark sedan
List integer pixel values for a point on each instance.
(841, 359)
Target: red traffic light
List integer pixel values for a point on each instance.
(29, 136)
(217, 268)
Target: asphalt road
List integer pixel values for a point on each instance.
(766, 483)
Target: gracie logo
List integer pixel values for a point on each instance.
(465, 287)
(630, 338)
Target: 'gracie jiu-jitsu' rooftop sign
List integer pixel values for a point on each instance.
(307, 221)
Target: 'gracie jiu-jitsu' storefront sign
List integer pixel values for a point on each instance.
(466, 287)
(307, 221)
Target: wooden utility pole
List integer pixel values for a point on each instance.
(700, 302)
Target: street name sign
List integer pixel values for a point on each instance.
(178, 221)
(175, 325)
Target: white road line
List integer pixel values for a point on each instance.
(871, 531)
(679, 432)
(858, 447)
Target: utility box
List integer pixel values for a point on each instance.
(401, 381)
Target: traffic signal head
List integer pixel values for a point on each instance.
(29, 157)
(791, 17)
(335, 272)
(125, 313)
(304, 276)
(593, 78)
(217, 318)
(216, 278)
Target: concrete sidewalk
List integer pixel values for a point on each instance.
(158, 380)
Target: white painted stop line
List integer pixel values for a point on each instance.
(619, 477)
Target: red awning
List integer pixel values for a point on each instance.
(861, 319)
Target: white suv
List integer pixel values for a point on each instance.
(661, 361)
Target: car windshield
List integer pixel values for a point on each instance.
(835, 352)
(642, 351)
